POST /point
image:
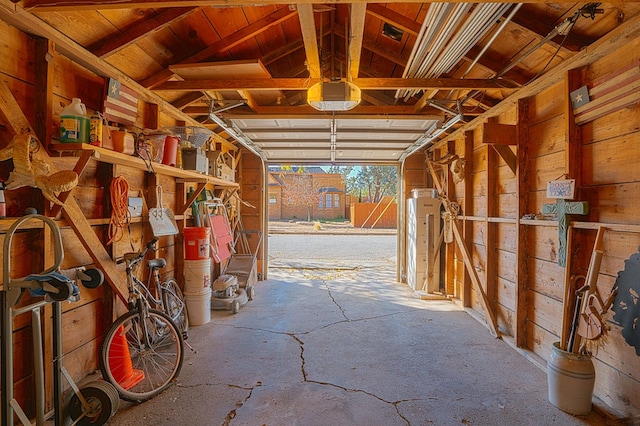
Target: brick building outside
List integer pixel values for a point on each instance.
(331, 202)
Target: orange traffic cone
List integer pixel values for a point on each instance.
(120, 362)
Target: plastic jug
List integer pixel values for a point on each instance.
(74, 123)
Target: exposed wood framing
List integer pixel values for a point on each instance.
(30, 24)
(614, 40)
(467, 226)
(362, 83)
(356, 36)
(522, 189)
(74, 215)
(308, 27)
(396, 19)
(55, 5)
(490, 317)
(500, 136)
(226, 43)
(112, 45)
(44, 53)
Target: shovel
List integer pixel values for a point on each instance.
(161, 219)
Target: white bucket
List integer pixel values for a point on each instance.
(197, 276)
(198, 307)
(571, 378)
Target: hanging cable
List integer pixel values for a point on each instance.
(120, 215)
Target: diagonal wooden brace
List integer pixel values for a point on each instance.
(14, 116)
(466, 257)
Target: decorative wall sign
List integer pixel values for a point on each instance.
(627, 305)
(120, 103)
(561, 189)
(616, 90)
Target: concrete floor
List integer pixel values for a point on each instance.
(349, 346)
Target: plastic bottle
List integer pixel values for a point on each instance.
(74, 123)
(95, 129)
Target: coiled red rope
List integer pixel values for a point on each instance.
(120, 215)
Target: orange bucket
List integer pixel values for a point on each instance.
(196, 243)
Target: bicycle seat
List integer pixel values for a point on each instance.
(157, 263)
(130, 256)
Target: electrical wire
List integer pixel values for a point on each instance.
(120, 215)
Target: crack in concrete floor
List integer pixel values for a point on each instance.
(305, 377)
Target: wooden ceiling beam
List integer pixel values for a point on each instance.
(309, 36)
(362, 83)
(187, 99)
(57, 6)
(226, 43)
(366, 111)
(138, 30)
(356, 37)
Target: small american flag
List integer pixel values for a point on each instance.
(120, 103)
(614, 91)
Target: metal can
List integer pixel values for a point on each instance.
(95, 129)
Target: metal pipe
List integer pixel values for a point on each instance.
(38, 365)
(493, 37)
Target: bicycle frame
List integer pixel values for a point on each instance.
(141, 295)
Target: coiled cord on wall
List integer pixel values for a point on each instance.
(120, 215)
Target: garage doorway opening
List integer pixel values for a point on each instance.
(329, 220)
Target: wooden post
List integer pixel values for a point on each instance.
(467, 226)
(491, 252)
(522, 247)
(466, 257)
(44, 53)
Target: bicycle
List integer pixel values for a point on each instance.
(143, 350)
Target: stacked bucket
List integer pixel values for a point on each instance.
(197, 274)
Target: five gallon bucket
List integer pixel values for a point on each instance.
(571, 378)
(196, 243)
(199, 307)
(197, 276)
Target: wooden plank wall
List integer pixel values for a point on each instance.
(517, 259)
(85, 321)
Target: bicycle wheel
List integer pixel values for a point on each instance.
(174, 305)
(141, 367)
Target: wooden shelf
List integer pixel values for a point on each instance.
(112, 157)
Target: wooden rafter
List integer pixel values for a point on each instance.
(358, 12)
(308, 26)
(187, 100)
(363, 83)
(394, 18)
(226, 43)
(56, 5)
(540, 26)
(138, 30)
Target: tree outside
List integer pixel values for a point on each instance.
(369, 183)
(300, 190)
